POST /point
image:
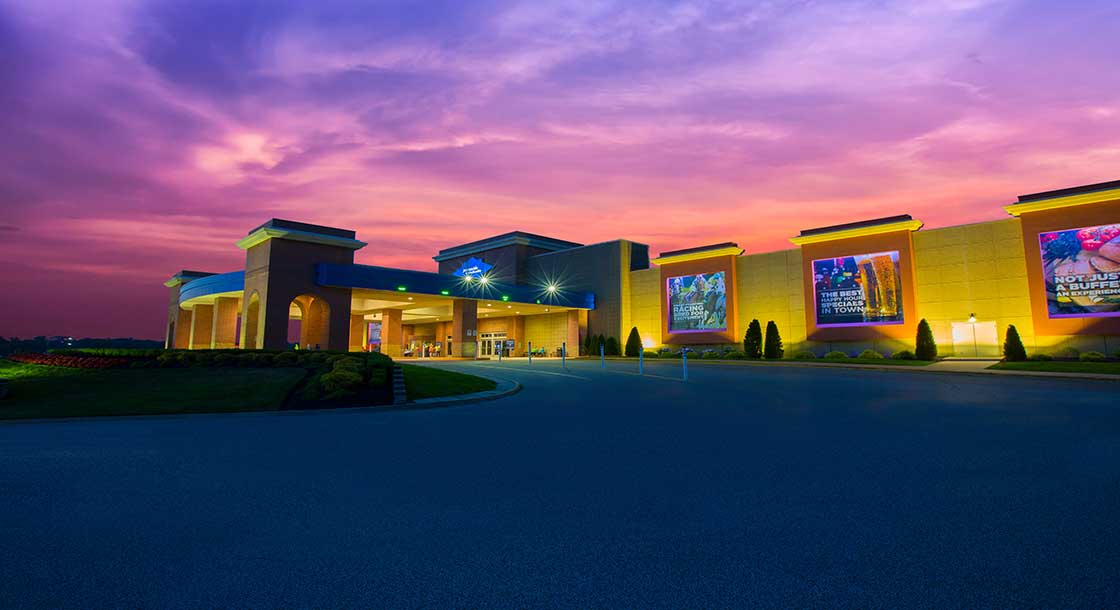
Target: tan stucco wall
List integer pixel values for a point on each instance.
(770, 288)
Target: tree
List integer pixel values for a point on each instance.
(1013, 350)
(611, 348)
(752, 341)
(588, 339)
(634, 344)
(925, 348)
(593, 343)
(773, 349)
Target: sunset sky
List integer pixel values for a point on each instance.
(141, 138)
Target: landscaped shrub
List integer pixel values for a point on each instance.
(904, 354)
(612, 347)
(650, 354)
(1041, 357)
(871, 354)
(225, 360)
(752, 340)
(1093, 357)
(1067, 353)
(710, 354)
(285, 359)
(836, 355)
(340, 382)
(168, 360)
(735, 355)
(633, 343)
(925, 347)
(1013, 350)
(804, 354)
(773, 349)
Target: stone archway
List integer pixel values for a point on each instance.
(314, 321)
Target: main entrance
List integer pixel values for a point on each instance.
(491, 343)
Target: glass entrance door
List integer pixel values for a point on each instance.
(490, 343)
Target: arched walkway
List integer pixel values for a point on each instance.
(314, 315)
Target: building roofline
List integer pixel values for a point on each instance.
(505, 239)
(859, 224)
(1073, 190)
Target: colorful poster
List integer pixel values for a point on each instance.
(697, 303)
(860, 290)
(1081, 268)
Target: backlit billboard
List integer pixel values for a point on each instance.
(697, 303)
(858, 290)
(1081, 269)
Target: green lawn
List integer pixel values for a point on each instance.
(49, 391)
(1108, 368)
(429, 382)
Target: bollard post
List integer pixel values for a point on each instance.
(684, 364)
(564, 355)
(602, 357)
(501, 348)
(641, 360)
(530, 352)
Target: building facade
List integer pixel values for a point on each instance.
(1052, 269)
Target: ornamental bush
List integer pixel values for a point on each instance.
(710, 354)
(633, 343)
(612, 347)
(735, 355)
(836, 355)
(1067, 353)
(1093, 357)
(650, 354)
(224, 360)
(871, 354)
(904, 354)
(286, 359)
(773, 349)
(925, 348)
(340, 382)
(752, 340)
(804, 354)
(1013, 350)
(1041, 357)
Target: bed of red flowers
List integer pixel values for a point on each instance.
(92, 362)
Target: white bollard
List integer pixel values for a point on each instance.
(530, 352)
(564, 355)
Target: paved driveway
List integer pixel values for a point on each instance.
(761, 487)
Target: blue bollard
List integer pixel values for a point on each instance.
(684, 364)
(530, 352)
(564, 355)
(641, 360)
(602, 357)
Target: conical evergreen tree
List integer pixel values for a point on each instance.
(634, 344)
(1013, 350)
(752, 341)
(925, 348)
(773, 349)
(611, 347)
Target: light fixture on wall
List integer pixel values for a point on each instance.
(972, 318)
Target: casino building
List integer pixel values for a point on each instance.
(1052, 269)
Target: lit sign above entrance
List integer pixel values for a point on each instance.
(472, 267)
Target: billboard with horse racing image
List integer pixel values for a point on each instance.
(697, 303)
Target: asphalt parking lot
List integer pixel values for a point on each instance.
(590, 488)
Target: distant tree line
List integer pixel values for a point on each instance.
(41, 344)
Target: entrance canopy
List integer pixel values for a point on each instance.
(404, 283)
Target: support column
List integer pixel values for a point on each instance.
(202, 327)
(464, 329)
(182, 339)
(358, 328)
(224, 331)
(391, 337)
(572, 335)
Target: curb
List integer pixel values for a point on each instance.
(511, 388)
(898, 368)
